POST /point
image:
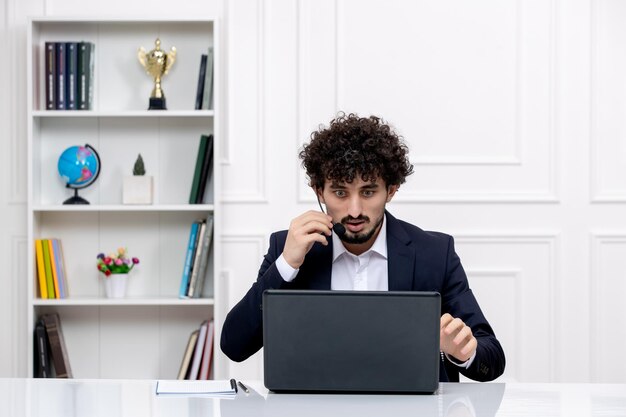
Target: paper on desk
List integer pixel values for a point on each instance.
(212, 388)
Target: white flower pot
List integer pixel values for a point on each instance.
(115, 285)
(137, 189)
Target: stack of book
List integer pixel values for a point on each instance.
(204, 92)
(50, 343)
(202, 172)
(69, 68)
(198, 356)
(196, 258)
(51, 272)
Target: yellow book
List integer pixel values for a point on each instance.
(53, 266)
(41, 270)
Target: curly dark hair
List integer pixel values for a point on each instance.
(354, 145)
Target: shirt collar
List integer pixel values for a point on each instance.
(379, 246)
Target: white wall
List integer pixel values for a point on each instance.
(513, 111)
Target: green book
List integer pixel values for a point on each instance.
(84, 71)
(195, 185)
(48, 268)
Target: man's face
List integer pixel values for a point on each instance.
(360, 207)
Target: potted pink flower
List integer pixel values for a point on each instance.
(115, 268)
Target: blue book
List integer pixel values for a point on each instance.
(60, 267)
(184, 283)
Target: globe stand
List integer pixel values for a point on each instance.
(76, 199)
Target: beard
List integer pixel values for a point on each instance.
(362, 237)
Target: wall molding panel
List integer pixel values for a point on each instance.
(522, 269)
(607, 288)
(245, 144)
(525, 171)
(607, 105)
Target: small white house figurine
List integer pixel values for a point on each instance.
(137, 189)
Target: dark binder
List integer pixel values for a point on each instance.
(201, 77)
(60, 76)
(85, 75)
(50, 70)
(197, 173)
(71, 81)
(42, 352)
(207, 163)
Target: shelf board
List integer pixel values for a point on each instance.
(127, 113)
(122, 208)
(119, 19)
(128, 301)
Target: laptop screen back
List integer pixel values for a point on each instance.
(351, 341)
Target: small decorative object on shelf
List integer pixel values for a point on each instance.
(157, 63)
(115, 268)
(79, 166)
(137, 188)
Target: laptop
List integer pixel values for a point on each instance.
(351, 341)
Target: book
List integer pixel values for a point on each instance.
(195, 289)
(48, 268)
(196, 248)
(195, 266)
(53, 267)
(60, 75)
(207, 94)
(207, 163)
(50, 74)
(184, 282)
(197, 354)
(197, 173)
(60, 357)
(43, 368)
(71, 81)
(201, 75)
(85, 71)
(207, 354)
(60, 268)
(41, 269)
(191, 346)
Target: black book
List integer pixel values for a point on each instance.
(42, 352)
(50, 70)
(60, 76)
(71, 79)
(201, 77)
(205, 175)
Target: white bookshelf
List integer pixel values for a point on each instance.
(145, 334)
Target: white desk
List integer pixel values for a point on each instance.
(135, 398)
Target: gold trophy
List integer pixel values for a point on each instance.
(157, 63)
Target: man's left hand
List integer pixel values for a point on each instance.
(456, 339)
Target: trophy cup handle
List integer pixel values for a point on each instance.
(171, 57)
(141, 55)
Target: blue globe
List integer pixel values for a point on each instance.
(79, 167)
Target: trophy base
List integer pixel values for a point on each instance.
(157, 103)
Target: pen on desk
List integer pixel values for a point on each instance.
(243, 387)
(233, 384)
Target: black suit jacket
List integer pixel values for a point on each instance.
(417, 261)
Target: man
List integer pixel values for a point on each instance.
(355, 166)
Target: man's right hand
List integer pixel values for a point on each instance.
(304, 231)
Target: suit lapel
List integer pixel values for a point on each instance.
(400, 257)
